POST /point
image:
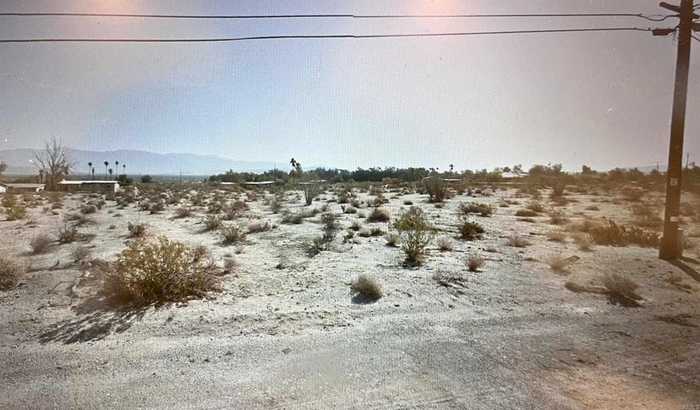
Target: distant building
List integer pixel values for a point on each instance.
(20, 188)
(104, 187)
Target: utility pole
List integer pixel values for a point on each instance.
(671, 247)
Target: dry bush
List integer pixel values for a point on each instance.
(67, 234)
(408, 202)
(136, 230)
(584, 241)
(436, 189)
(468, 208)
(81, 253)
(445, 244)
(156, 207)
(416, 233)
(232, 234)
(350, 210)
(255, 227)
(183, 212)
(527, 213)
(78, 219)
(160, 271)
(518, 241)
(230, 265)
(592, 208)
(40, 243)
(633, 194)
(557, 217)
(621, 289)
(556, 236)
(392, 239)
(378, 215)
(613, 234)
(535, 206)
(367, 288)
(10, 271)
(211, 223)
(355, 226)
(87, 209)
(558, 263)
(474, 262)
(470, 231)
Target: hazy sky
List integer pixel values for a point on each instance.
(602, 99)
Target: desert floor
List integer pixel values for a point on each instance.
(285, 331)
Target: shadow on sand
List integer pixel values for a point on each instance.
(684, 264)
(97, 318)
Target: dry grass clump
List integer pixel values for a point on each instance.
(613, 234)
(255, 227)
(40, 243)
(232, 234)
(518, 241)
(559, 263)
(474, 262)
(392, 239)
(183, 212)
(621, 289)
(468, 208)
(584, 241)
(526, 213)
(557, 217)
(379, 215)
(367, 288)
(160, 271)
(136, 230)
(211, 223)
(416, 233)
(535, 206)
(10, 271)
(445, 244)
(67, 234)
(556, 236)
(470, 231)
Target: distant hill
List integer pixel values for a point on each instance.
(20, 162)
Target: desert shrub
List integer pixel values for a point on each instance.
(378, 215)
(232, 234)
(366, 287)
(584, 241)
(67, 234)
(81, 253)
(230, 265)
(355, 226)
(527, 213)
(535, 206)
(474, 262)
(558, 263)
(408, 202)
(364, 232)
(416, 233)
(350, 210)
(8, 201)
(646, 216)
(592, 208)
(10, 270)
(392, 239)
(215, 207)
(156, 207)
(160, 271)
(183, 212)
(445, 244)
(556, 236)
(275, 205)
(470, 231)
(436, 189)
(294, 218)
(256, 227)
(632, 194)
(315, 246)
(87, 209)
(78, 219)
(40, 243)
(330, 226)
(557, 217)
(311, 191)
(612, 234)
(211, 223)
(518, 241)
(136, 230)
(468, 208)
(376, 231)
(621, 289)
(16, 212)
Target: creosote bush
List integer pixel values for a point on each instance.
(10, 271)
(159, 271)
(518, 241)
(16, 212)
(212, 223)
(436, 189)
(416, 233)
(67, 234)
(40, 243)
(468, 208)
(232, 234)
(367, 288)
(136, 230)
(378, 215)
(613, 234)
(474, 262)
(445, 244)
(311, 191)
(621, 289)
(470, 231)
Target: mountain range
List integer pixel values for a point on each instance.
(21, 162)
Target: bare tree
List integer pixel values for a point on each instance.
(54, 163)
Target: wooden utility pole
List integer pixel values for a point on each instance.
(671, 246)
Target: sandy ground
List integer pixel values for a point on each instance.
(285, 332)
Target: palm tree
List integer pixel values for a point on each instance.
(110, 173)
(124, 167)
(106, 167)
(116, 166)
(89, 167)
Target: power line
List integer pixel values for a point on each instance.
(655, 18)
(313, 36)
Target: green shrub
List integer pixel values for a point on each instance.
(468, 208)
(470, 231)
(232, 234)
(378, 215)
(416, 233)
(161, 271)
(613, 234)
(211, 223)
(16, 212)
(136, 230)
(436, 189)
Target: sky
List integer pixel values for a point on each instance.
(602, 99)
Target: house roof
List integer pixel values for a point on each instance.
(12, 185)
